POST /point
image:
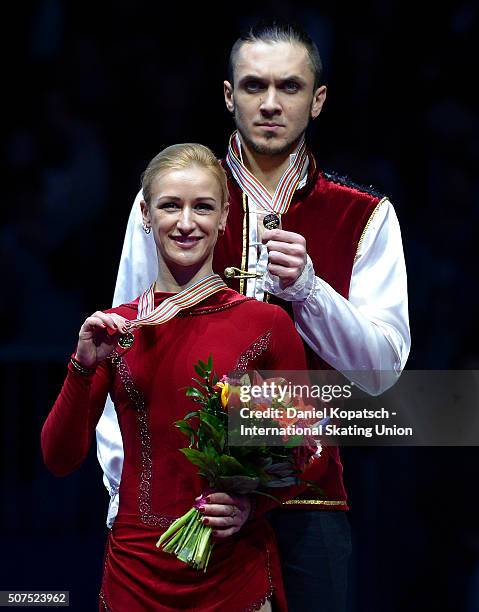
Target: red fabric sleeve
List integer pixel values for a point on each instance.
(287, 353)
(69, 428)
(287, 350)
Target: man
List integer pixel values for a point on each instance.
(335, 262)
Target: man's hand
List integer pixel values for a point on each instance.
(286, 255)
(225, 513)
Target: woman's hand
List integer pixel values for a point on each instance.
(225, 513)
(98, 337)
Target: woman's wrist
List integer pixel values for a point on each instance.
(80, 368)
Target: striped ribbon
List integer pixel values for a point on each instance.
(169, 308)
(255, 191)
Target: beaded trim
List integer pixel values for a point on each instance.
(103, 602)
(344, 180)
(147, 516)
(101, 595)
(80, 368)
(208, 310)
(256, 605)
(315, 502)
(259, 346)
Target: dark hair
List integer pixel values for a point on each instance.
(278, 31)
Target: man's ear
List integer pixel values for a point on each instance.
(145, 213)
(318, 100)
(229, 96)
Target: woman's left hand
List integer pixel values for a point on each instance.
(225, 513)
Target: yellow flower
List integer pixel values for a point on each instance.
(225, 389)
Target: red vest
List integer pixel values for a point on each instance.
(332, 214)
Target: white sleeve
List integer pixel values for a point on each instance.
(137, 270)
(367, 336)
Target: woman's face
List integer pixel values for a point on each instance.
(185, 215)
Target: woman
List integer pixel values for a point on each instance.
(185, 207)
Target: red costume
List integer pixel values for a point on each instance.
(332, 214)
(158, 484)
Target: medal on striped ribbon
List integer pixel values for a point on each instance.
(169, 308)
(255, 191)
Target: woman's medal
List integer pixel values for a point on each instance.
(171, 306)
(126, 340)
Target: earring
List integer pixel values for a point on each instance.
(146, 228)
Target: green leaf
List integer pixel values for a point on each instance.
(193, 392)
(232, 467)
(238, 484)
(210, 476)
(283, 482)
(215, 423)
(211, 452)
(196, 457)
(294, 441)
(200, 371)
(201, 383)
(184, 427)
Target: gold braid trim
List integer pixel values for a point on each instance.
(245, 241)
(367, 225)
(316, 502)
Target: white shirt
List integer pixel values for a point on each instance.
(366, 336)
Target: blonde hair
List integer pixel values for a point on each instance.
(179, 156)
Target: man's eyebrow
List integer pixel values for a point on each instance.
(293, 77)
(251, 77)
(178, 199)
(256, 77)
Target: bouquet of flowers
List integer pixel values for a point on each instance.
(233, 469)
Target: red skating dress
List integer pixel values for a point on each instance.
(158, 483)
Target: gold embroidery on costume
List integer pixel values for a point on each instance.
(316, 502)
(244, 253)
(367, 225)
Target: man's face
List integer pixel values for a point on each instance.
(273, 98)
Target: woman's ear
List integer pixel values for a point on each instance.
(224, 216)
(145, 213)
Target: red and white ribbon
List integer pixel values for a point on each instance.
(169, 308)
(255, 191)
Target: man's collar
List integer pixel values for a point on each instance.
(292, 157)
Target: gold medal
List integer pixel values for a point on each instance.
(271, 221)
(126, 340)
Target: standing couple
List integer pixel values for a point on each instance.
(335, 265)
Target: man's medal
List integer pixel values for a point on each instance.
(271, 221)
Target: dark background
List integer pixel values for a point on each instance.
(91, 92)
